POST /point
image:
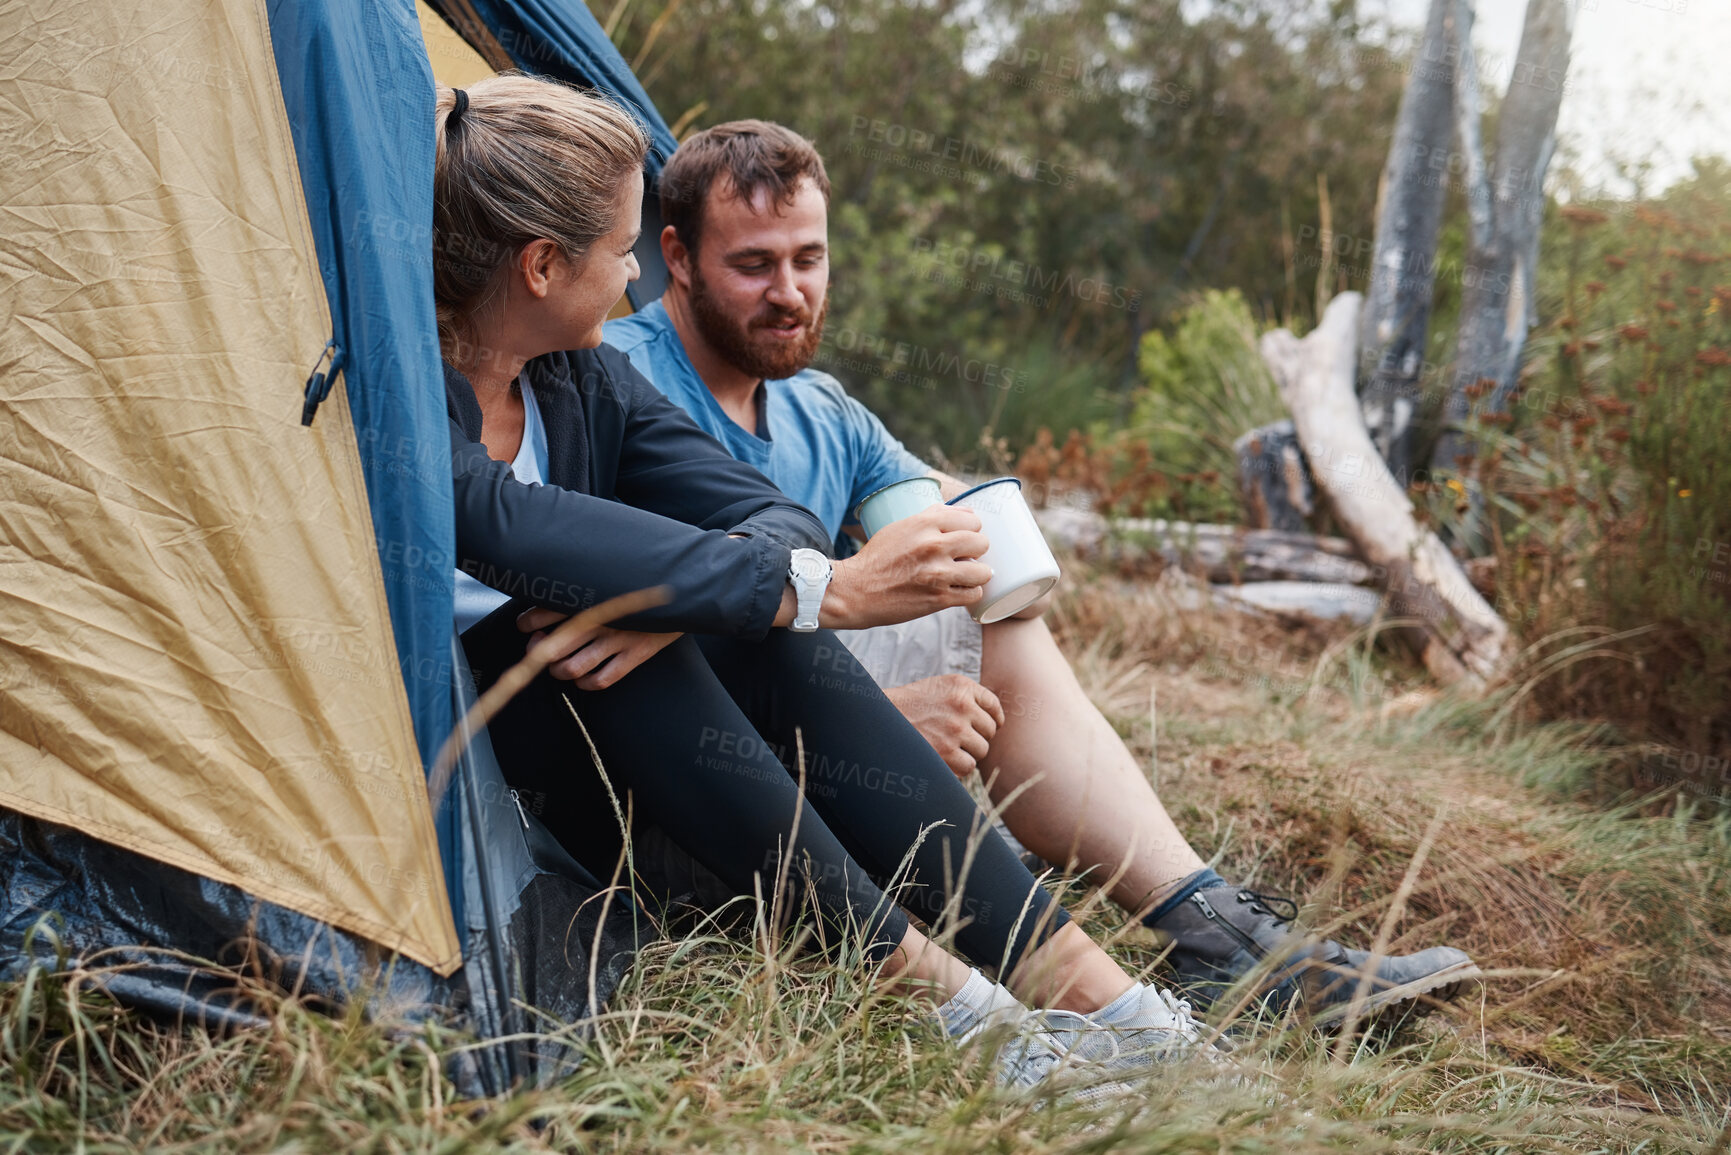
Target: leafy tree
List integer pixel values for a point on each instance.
(1035, 186)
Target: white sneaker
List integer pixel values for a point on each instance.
(1048, 1051)
(1147, 1026)
(1033, 1048)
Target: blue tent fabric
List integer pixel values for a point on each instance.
(561, 39)
(359, 93)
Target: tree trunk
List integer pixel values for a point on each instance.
(1457, 635)
(1273, 479)
(1504, 209)
(1391, 339)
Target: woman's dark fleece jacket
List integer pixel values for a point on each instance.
(637, 496)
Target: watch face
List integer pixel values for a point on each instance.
(809, 564)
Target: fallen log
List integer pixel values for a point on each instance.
(1318, 601)
(1454, 631)
(1221, 553)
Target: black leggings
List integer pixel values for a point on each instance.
(702, 740)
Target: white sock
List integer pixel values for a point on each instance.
(979, 1001)
(1122, 1008)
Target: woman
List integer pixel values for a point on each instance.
(697, 710)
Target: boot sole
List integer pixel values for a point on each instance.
(1453, 978)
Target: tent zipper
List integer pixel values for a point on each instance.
(319, 383)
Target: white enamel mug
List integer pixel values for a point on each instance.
(896, 501)
(1023, 568)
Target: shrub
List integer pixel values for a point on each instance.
(1201, 387)
(1610, 474)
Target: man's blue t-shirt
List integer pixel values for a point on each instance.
(823, 449)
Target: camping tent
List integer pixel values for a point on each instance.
(560, 39)
(225, 521)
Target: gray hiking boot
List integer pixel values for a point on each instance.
(1221, 933)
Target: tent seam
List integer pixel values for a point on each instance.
(348, 450)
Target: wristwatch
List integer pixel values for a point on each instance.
(809, 571)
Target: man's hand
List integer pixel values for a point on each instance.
(601, 656)
(957, 715)
(910, 568)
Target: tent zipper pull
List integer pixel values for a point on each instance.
(319, 383)
(521, 813)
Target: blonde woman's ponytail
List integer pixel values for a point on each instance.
(518, 159)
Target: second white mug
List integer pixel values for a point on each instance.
(1023, 568)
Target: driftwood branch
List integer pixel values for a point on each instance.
(1305, 601)
(1454, 631)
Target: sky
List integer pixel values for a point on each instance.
(1650, 80)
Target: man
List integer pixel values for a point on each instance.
(746, 243)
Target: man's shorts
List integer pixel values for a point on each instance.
(947, 642)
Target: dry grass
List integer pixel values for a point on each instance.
(1608, 929)
(1297, 758)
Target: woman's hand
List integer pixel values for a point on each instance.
(599, 657)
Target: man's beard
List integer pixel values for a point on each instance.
(736, 342)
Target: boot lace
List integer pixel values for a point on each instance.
(1266, 904)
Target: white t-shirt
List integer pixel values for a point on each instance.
(472, 600)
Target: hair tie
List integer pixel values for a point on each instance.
(461, 107)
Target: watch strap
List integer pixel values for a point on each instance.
(808, 598)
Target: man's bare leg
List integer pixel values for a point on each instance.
(1092, 805)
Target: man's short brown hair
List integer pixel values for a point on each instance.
(752, 154)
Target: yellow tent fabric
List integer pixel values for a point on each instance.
(455, 64)
(196, 659)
